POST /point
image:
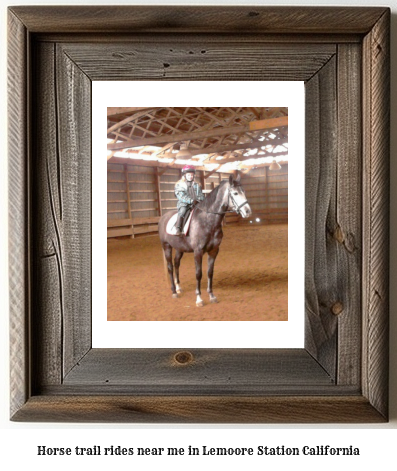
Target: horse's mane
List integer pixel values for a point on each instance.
(211, 197)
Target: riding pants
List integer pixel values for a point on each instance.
(183, 210)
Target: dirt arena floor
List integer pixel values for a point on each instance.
(250, 280)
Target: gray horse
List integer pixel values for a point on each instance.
(204, 235)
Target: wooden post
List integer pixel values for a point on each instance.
(202, 180)
(158, 189)
(127, 187)
(267, 204)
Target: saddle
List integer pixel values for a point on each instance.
(171, 229)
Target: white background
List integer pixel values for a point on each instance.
(19, 441)
(200, 334)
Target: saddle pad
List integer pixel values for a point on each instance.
(171, 229)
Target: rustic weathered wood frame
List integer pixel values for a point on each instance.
(342, 373)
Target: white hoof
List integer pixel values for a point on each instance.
(213, 300)
(200, 304)
(175, 295)
(178, 289)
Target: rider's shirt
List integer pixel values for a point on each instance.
(187, 192)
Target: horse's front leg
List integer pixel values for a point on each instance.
(168, 256)
(177, 263)
(198, 260)
(211, 262)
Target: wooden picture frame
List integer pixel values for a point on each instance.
(342, 54)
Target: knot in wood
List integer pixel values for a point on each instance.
(338, 235)
(337, 308)
(183, 358)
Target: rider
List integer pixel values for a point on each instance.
(188, 192)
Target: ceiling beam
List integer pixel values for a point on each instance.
(256, 113)
(146, 163)
(242, 158)
(247, 168)
(187, 136)
(127, 120)
(121, 110)
(207, 175)
(268, 123)
(232, 147)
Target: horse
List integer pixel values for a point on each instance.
(204, 235)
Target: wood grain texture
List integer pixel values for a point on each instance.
(323, 383)
(154, 370)
(347, 227)
(322, 287)
(376, 90)
(48, 296)
(190, 19)
(199, 409)
(62, 204)
(74, 134)
(18, 213)
(183, 59)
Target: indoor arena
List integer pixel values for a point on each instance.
(229, 151)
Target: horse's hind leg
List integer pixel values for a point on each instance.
(168, 256)
(211, 262)
(177, 263)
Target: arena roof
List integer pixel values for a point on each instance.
(214, 139)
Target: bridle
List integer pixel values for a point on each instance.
(236, 207)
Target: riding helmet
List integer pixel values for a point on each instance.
(188, 169)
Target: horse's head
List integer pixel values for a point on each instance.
(237, 200)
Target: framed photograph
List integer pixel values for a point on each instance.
(260, 262)
(340, 375)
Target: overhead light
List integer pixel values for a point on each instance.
(274, 165)
(184, 153)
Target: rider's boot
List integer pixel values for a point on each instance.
(178, 225)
